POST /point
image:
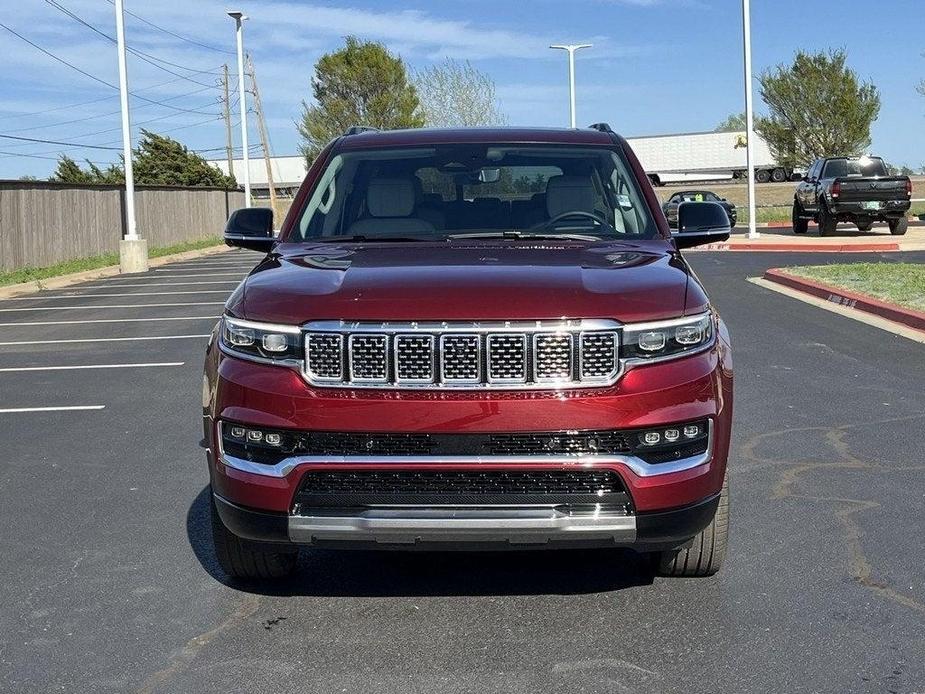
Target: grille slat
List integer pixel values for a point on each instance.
(449, 356)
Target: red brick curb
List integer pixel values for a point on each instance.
(862, 302)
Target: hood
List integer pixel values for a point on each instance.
(483, 280)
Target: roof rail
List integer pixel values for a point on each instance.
(603, 127)
(357, 129)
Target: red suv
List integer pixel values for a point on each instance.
(465, 339)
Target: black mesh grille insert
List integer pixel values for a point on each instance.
(358, 487)
(463, 481)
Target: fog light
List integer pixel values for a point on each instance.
(672, 434)
(691, 430)
(238, 432)
(253, 435)
(652, 437)
(274, 342)
(652, 342)
(274, 439)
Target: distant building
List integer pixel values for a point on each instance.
(288, 173)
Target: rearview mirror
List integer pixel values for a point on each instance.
(250, 227)
(700, 223)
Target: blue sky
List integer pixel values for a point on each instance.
(657, 66)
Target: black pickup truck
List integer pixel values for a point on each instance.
(857, 190)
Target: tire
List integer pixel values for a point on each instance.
(778, 175)
(705, 554)
(866, 226)
(248, 560)
(800, 226)
(898, 227)
(763, 176)
(827, 223)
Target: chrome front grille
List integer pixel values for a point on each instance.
(503, 355)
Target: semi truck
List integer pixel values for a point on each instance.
(705, 156)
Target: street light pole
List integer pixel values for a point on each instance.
(239, 18)
(571, 48)
(749, 120)
(133, 251)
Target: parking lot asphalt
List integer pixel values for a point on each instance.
(110, 583)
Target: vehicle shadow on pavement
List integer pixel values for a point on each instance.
(363, 573)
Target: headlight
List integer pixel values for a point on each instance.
(667, 338)
(261, 340)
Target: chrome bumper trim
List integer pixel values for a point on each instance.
(515, 525)
(638, 466)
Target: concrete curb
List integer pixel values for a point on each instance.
(843, 297)
(77, 277)
(885, 247)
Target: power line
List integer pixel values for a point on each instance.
(56, 142)
(100, 115)
(176, 36)
(39, 156)
(147, 57)
(98, 79)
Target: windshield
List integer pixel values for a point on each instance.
(436, 193)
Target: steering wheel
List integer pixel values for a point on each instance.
(567, 214)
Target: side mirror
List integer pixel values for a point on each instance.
(700, 223)
(251, 227)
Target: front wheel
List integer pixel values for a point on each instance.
(800, 225)
(705, 554)
(898, 227)
(248, 560)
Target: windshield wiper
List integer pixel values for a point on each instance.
(359, 238)
(514, 234)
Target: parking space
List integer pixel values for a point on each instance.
(84, 342)
(111, 585)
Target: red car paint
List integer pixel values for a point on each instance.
(298, 282)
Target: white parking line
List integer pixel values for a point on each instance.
(109, 285)
(70, 408)
(81, 296)
(109, 306)
(106, 320)
(203, 274)
(91, 366)
(102, 339)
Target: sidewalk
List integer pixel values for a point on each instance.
(849, 240)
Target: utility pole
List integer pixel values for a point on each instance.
(264, 137)
(229, 148)
(571, 48)
(239, 18)
(133, 251)
(749, 119)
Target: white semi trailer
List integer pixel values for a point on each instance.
(710, 156)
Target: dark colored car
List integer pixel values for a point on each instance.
(670, 208)
(858, 190)
(465, 339)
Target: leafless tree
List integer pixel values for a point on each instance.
(455, 94)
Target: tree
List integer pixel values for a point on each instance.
(817, 108)
(360, 84)
(69, 171)
(158, 160)
(734, 122)
(455, 94)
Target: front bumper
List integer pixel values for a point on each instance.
(255, 496)
(470, 528)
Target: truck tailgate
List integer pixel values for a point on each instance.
(854, 189)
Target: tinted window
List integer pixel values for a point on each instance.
(838, 168)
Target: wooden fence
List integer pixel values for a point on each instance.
(44, 223)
